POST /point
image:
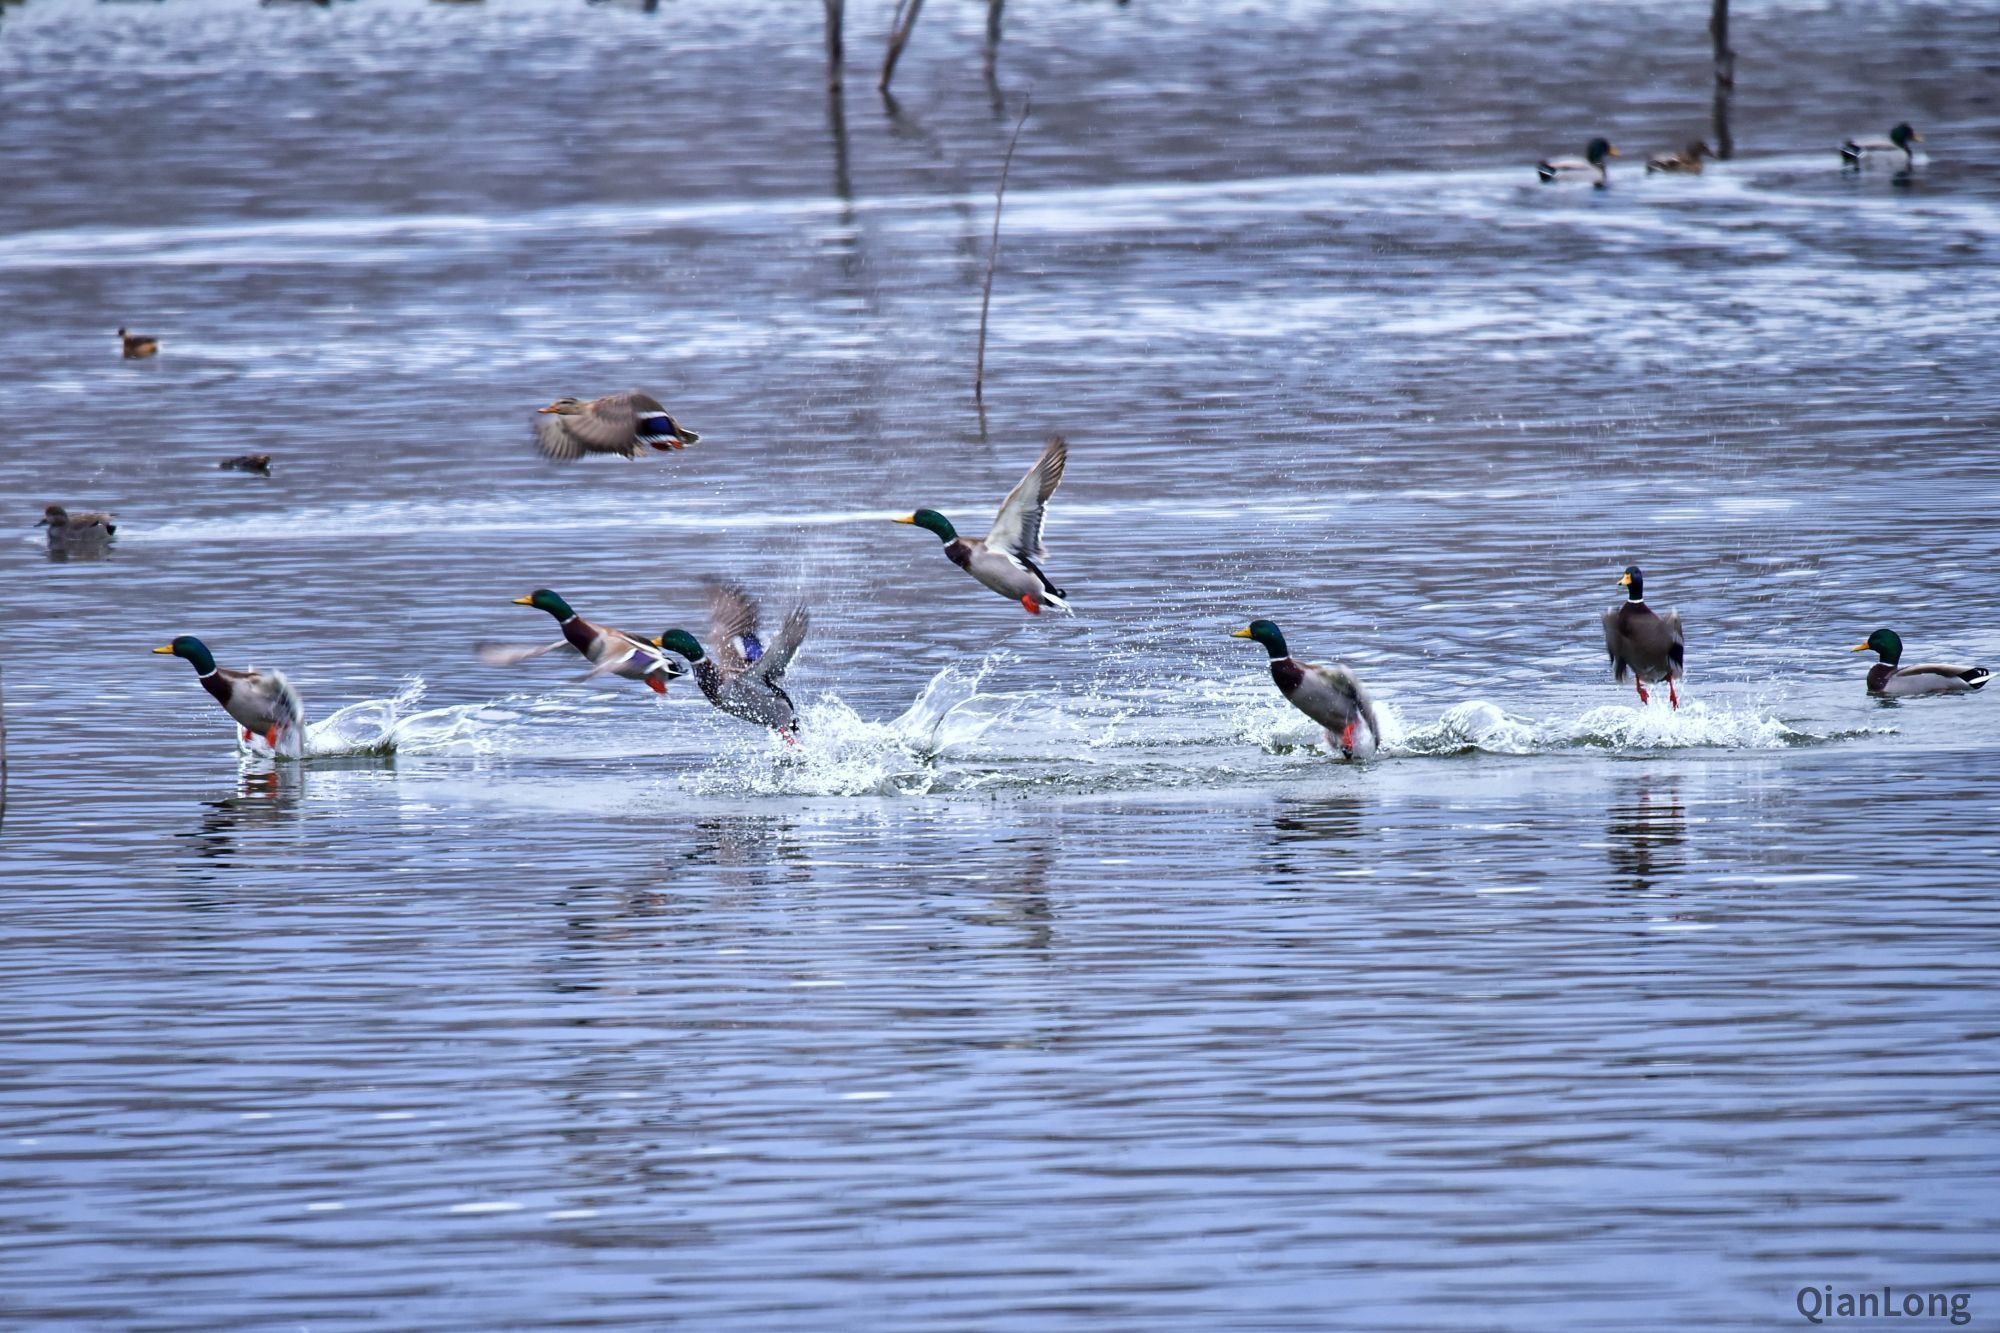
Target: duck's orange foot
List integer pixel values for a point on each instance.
(271, 738)
(246, 735)
(786, 732)
(1643, 698)
(1347, 740)
(1673, 695)
(656, 685)
(1028, 600)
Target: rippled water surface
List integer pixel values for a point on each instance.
(1060, 978)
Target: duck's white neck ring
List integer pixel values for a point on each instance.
(565, 620)
(204, 675)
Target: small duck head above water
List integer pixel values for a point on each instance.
(682, 642)
(1634, 584)
(193, 650)
(930, 520)
(544, 600)
(1884, 643)
(1903, 136)
(1267, 633)
(1598, 150)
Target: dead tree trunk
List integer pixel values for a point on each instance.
(899, 34)
(992, 35)
(835, 13)
(1725, 76)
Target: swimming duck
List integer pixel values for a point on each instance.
(1331, 696)
(262, 702)
(609, 650)
(1886, 677)
(1591, 166)
(1855, 152)
(67, 529)
(744, 678)
(1648, 644)
(257, 463)
(616, 424)
(137, 345)
(1688, 159)
(1008, 559)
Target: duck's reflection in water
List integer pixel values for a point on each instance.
(1645, 830)
(1309, 838)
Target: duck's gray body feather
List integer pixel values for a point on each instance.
(618, 423)
(258, 700)
(1332, 696)
(742, 675)
(1648, 644)
(1926, 678)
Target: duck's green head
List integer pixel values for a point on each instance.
(1266, 633)
(193, 649)
(682, 642)
(1903, 136)
(544, 600)
(930, 520)
(1885, 643)
(1634, 584)
(1599, 150)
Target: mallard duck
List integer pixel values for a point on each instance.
(67, 529)
(1688, 159)
(1330, 695)
(616, 424)
(744, 678)
(608, 650)
(262, 702)
(257, 463)
(1646, 643)
(1886, 677)
(1008, 559)
(1857, 152)
(1591, 166)
(137, 345)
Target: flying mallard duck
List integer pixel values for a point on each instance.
(1591, 166)
(1008, 559)
(1885, 677)
(609, 650)
(262, 702)
(1856, 152)
(67, 529)
(744, 679)
(137, 345)
(617, 424)
(1331, 696)
(1688, 159)
(257, 463)
(1649, 645)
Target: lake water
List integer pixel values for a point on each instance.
(1060, 979)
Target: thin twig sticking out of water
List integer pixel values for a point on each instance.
(899, 33)
(992, 35)
(993, 254)
(835, 12)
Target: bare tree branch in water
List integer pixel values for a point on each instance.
(993, 253)
(1725, 77)
(899, 33)
(992, 35)
(835, 14)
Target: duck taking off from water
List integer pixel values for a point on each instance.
(617, 424)
(744, 677)
(1647, 644)
(67, 529)
(1592, 166)
(1687, 160)
(1887, 678)
(137, 345)
(1856, 153)
(263, 703)
(611, 651)
(1330, 695)
(1009, 558)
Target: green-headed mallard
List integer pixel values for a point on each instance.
(616, 424)
(1687, 159)
(1332, 696)
(1857, 152)
(1886, 677)
(610, 651)
(262, 702)
(1009, 558)
(257, 463)
(743, 678)
(1591, 166)
(137, 345)
(1646, 643)
(67, 529)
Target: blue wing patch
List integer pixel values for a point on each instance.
(661, 425)
(751, 649)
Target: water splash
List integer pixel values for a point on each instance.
(382, 727)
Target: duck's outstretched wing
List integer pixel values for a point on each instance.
(509, 654)
(1614, 644)
(1677, 641)
(1017, 529)
(732, 628)
(604, 426)
(771, 666)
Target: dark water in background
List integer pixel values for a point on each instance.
(1058, 981)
